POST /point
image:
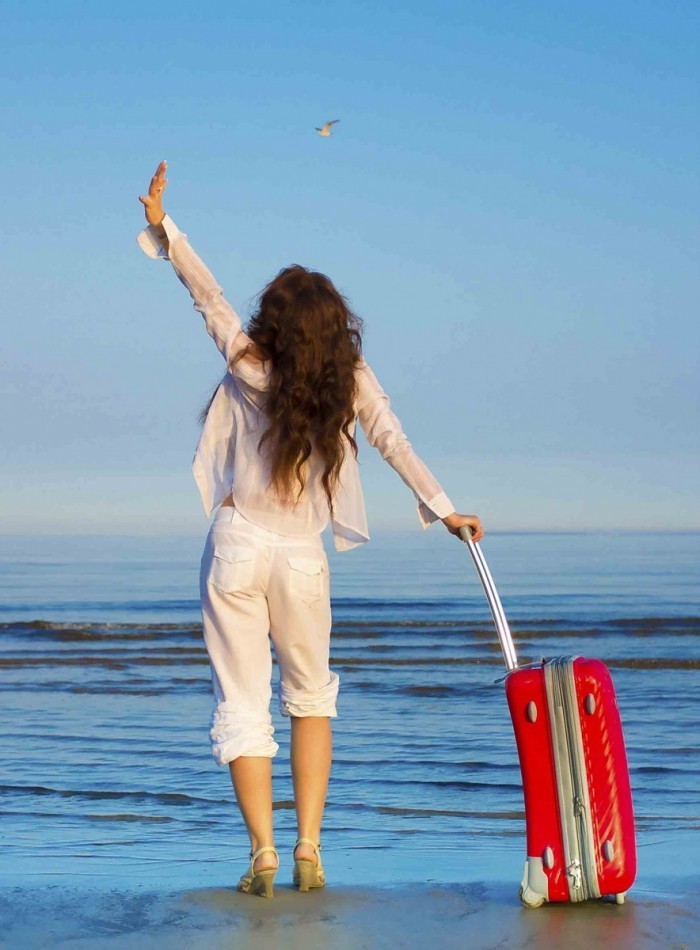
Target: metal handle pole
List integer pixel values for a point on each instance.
(499, 617)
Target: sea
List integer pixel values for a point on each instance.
(107, 774)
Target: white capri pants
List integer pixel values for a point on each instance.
(257, 585)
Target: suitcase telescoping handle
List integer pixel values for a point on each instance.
(499, 617)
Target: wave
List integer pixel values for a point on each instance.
(97, 606)
(526, 629)
(337, 662)
(164, 798)
(642, 663)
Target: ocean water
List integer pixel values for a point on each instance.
(107, 773)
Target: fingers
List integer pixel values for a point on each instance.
(455, 521)
(153, 200)
(476, 527)
(476, 536)
(157, 186)
(160, 172)
(159, 181)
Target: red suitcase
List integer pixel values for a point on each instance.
(578, 800)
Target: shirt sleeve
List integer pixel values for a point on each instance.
(383, 431)
(222, 322)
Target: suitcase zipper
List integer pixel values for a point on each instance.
(582, 802)
(570, 769)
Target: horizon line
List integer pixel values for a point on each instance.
(393, 530)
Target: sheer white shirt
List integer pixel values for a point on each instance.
(227, 461)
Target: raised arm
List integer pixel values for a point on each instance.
(163, 240)
(384, 432)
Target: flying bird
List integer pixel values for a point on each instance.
(326, 129)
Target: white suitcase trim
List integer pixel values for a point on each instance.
(534, 888)
(572, 780)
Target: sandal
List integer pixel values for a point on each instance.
(259, 882)
(308, 874)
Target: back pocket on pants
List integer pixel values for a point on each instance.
(232, 568)
(306, 577)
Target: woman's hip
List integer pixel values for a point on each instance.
(242, 557)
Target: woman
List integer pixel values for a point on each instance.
(278, 459)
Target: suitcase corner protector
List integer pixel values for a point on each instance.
(534, 889)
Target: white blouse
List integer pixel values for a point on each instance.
(227, 461)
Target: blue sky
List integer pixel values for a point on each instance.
(510, 201)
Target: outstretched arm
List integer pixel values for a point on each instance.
(163, 239)
(383, 431)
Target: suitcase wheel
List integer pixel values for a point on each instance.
(620, 898)
(531, 901)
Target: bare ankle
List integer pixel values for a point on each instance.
(306, 851)
(268, 859)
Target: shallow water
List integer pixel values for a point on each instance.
(107, 767)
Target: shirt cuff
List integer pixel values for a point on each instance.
(150, 243)
(438, 507)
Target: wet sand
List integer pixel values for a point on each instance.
(475, 915)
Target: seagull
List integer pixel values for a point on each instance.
(326, 130)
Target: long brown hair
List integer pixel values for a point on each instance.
(304, 326)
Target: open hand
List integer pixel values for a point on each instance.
(153, 202)
(455, 521)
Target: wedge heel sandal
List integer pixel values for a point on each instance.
(259, 882)
(307, 874)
